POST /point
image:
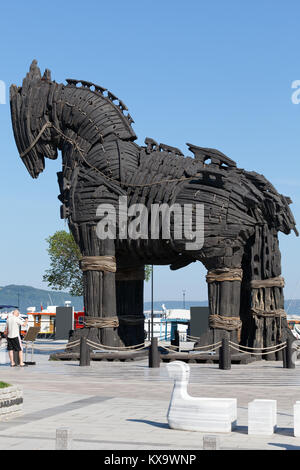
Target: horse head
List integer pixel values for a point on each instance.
(31, 120)
(47, 116)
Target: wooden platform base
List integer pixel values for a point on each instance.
(110, 357)
(165, 357)
(205, 358)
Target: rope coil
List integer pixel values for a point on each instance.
(224, 323)
(98, 263)
(101, 322)
(279, 313)
(224, 274)
(271, 282)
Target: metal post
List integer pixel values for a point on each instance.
(176, 340)
(284, 357)
(211, 442)
(154, 356)
(84, 353)
(152, 312)
(63, 439)
(289, 353)
(224, 354)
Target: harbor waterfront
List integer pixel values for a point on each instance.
(113, 405)
(165, 320)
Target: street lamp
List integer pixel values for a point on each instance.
(154, 356)
(183, 294)
(152, 311)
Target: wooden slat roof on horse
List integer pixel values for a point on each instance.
(102, 164)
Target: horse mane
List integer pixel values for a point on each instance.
(117, 107)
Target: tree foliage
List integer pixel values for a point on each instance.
(64, 272)
(148, 271)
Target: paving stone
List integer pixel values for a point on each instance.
(124, 405)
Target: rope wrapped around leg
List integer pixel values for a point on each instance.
(279, 313)
(271, 282)
(225, 323)
(224, 274)
(98, 263)
(101, 322)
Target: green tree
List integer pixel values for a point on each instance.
(64, 272)
(148, 271)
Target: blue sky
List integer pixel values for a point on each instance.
(217, 74)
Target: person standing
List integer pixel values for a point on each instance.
(13, 324)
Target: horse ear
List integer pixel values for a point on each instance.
(47, 75)
(33, 75)
(34, 71)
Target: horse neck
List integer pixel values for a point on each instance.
(91, 115)
(91, 122)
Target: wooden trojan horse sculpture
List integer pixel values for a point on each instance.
(101, 163)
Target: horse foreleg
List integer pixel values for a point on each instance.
(224, 290)
(99, 267)
(266, 316)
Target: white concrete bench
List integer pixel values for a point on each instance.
(297, 419)
(262, 417)
(197, 413)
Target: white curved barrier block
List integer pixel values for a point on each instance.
(197, 413)
(262, 417)
(297, 419)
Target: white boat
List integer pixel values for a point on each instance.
(165, 322)
(296, 332)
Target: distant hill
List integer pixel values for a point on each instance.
(26, 296)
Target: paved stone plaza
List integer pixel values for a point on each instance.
(113, 405)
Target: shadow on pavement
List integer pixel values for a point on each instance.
(151, 423)
(284, 446)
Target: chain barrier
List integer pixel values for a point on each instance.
(56, 347)
(259, 349)
(73, 344)
(116, 348)
(257, 353)
(172, 350)
(218, 344)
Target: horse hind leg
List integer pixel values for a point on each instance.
(224, 291)
(265, 322)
